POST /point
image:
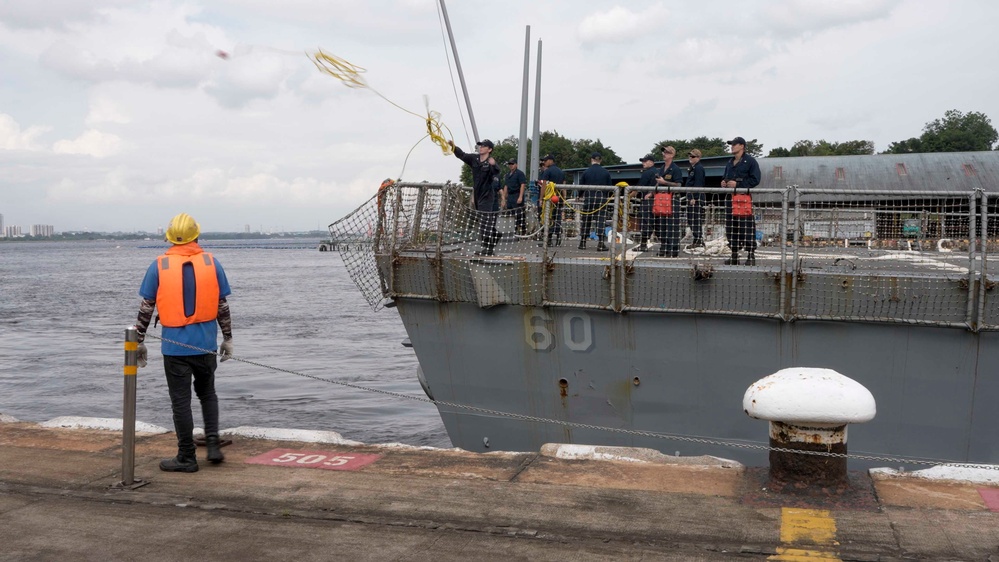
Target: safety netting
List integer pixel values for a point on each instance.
(789, 253)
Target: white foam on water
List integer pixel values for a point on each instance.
(279, 434)
(4, 418)
(110, 424)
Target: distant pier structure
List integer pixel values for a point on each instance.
(345, 243)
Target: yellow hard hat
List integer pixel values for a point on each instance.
(182, 229)
(621, 184)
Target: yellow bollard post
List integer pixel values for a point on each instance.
(131, 368)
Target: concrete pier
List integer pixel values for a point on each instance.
(279, 499)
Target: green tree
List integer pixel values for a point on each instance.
(955, 132)
(824, 148)
(708, 146)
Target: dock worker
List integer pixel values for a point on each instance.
(484, 194)
(188, 288)
(595, 203)
(552, 173)
(516, 188)
(695, 201)
(668, 231)
(742, 173)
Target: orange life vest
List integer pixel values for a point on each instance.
(170, 294)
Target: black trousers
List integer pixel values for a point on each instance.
(488, 234)
(695, 219)
(518, 213)
(180, 371)
(588, 221)
(555, 228)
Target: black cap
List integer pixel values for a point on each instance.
(647, 157)
(485, 142)
(738, 140)
(596, 156)
(511, 161)
(548, 157)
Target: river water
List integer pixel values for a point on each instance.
(64, 307)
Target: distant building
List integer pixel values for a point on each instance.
(12, 231)
(42, 230)
(2, 233)
(246, 228)
(159, 231)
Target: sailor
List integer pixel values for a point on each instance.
(552, 173)
(646, 220)
(484, 171)
(668, 230)
(742, 173)
(695, 201)
(516, 186)
(188, 287)
(595, 203)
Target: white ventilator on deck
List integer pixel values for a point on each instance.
(809, 396)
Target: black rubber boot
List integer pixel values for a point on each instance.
(734, 260)
(601, 247)
(183, 462)
(582, 244)
(751, 258)
(215, 455)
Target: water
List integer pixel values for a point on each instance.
(64, 307)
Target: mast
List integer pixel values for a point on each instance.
(461, 76)
(537, 120)
(522, 147)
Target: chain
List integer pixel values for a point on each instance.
(637, 432)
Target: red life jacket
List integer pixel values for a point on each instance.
(170, 294)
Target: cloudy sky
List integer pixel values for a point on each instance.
(118, 114)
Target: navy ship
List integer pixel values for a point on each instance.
(875, 266)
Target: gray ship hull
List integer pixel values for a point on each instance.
(685, 374)
(880, 267)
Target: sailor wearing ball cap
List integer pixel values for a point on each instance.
(742, 173)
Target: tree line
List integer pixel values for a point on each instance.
(954, 132)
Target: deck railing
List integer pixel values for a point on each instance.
(915, 257)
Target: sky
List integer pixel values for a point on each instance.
(115, 115)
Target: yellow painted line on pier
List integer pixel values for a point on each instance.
(806, 534)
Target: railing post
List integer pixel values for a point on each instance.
(128, 479)
(984, 277)
(782, 233)
(794, 259)
(615, 209)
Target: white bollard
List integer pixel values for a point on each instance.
(808, 410)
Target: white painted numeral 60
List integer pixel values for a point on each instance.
(577, 330)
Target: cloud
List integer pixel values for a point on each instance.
(56, 14)
(13, 138)
(798, 18)
(245, 78)
(104, 110)
(621, 25)
(91, 143)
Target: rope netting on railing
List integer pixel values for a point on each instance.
(794, 253)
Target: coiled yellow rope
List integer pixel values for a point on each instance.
(350, 75)
(550, 192)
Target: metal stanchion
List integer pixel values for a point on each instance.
(128, 480)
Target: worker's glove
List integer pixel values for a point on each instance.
(140, 355)
(225, 350)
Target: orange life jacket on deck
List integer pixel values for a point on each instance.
(170, 294)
